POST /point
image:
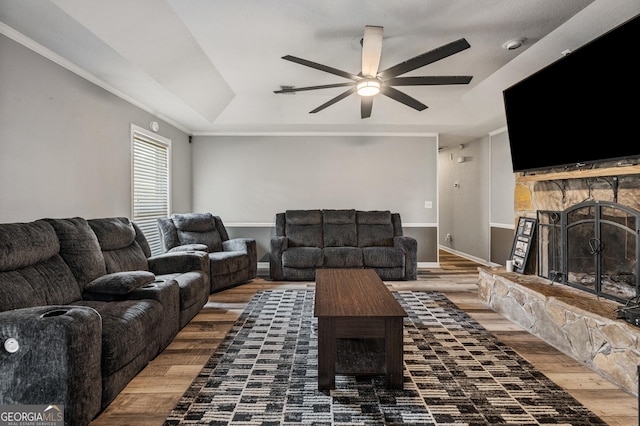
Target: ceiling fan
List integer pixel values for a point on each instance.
(370, 81)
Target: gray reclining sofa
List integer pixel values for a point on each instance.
(83, 309)
(309, 239)
(231, 261)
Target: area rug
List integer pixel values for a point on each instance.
(455, 372)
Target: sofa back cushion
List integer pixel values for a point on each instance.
(374, 228)
(168, 233)
(117, 239)
(339, 228)
(79, 248)
(304, 228)
(32, 273)
(198, 228)
(141, 239)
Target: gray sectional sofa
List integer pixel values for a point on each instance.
(309, 239)
(83, 309)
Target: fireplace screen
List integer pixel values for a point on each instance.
(592, 246)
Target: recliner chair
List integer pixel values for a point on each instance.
(232, 261)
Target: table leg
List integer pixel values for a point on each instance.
(326, 354)
(394, 353)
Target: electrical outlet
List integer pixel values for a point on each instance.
(428, 205)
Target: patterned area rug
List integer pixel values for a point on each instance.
(456, 372)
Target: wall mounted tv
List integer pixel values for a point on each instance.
(582, 108)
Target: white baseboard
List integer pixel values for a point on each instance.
(428, 265)
(263, 267)
(467, 256)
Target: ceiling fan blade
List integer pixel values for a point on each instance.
(321, 67)
(371, 50)
(428, 80)
(334, 100)
(302, 89)
(425, 59)
(366, 104)
(402, 98)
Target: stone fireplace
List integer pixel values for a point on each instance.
(583, 268)
(588, 228)
(592, 246)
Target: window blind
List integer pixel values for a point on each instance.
(150, 187)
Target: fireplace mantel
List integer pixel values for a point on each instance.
(577, 323)
(579, 174)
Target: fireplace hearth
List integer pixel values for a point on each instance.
(593, 246)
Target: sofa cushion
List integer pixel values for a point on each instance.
(342, 257)
(120, 282)
(32, 273)
(80, 249)
(26, 244)
(129, 327)
(382, 257)
(227, 262)
(339, 228)
(193, 285)
(302, 257)
(117, 238)
(304, 228)
(198, 228)
(49, 282)
(113, 233)
(374, 228)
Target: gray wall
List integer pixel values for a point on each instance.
(246, 180)
(476, 199)
(503, 183)
(65, 151)
(65, 143)
(464, 198)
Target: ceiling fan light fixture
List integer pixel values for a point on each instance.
(368, 86)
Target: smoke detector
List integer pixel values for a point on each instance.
(514, 44)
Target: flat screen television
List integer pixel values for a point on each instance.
(582, 109)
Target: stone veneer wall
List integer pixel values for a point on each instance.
(557, 191)
(577, 323)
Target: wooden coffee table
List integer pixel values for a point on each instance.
(356, 304)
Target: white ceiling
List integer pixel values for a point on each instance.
(211, 66)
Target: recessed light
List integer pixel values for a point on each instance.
(514, 44)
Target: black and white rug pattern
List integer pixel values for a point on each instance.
(456, 372)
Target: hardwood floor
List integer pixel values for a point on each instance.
(153, 393)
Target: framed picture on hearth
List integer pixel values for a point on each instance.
(522, 242)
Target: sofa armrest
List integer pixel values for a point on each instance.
(249, 246)
(189, 247)
(55, 358)
(167, 292)
(237, 244)
(179, 262)
(409, 246)
(118, 283)
(277, 247)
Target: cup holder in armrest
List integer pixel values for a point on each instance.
(153, 284)
(55, 313)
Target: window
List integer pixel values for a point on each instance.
(150, 183)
